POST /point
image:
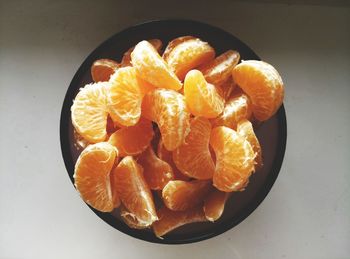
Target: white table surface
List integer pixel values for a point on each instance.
(306, 214)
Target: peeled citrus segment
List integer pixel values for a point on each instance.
(156, 171)
(102, 69)
(245, 129)
(227, 89)
(237, 108)
(170, 220)
(202, 98)
(193, 157)
(186, 53)
(219, 70)
(126, 60)
(130, 219)
(168, 109)
(234, 159)
(180, 195)
(264, 86)
(174, 43)
(134, 192)
(152, 68)
(214, 205)
(133, 140)
(89, 112)
(167, 156)
(125, 96)
(92, 176)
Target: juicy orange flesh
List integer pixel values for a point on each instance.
(234, 159)
(133, 140)
(170, 220)
(133, 191)
(193, 157)
(156, 171)
(168, 109)
(180, 195)
(237, 108)
(126, 60)
(102, 69)
(214, 205)
(263, 84)
(245, 129)
(92, 176)
(188, 54)
(202, 98)
(167, 156)
(219, 70)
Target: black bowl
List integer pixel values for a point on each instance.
(272, 134)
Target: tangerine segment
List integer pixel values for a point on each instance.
(170, 220)
(214, 205)
(237, 108)
(219, 70)
(89, 112)
(263, 85)
(92, 176)
(134, 191)
(133, 140)
(180, 195)
(126, 60)
(130, 219)
(152, 68)
(234, 159)
(125, 96)
(156, 171)
(168, 109)
(186, 53)
(167, 156)
(245, 129)
(173, 43)
(102, 69)
(193, 157)
(202, 98)
(227, 89)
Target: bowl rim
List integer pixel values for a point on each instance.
(107, 217)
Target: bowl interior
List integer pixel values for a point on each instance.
(271, 134)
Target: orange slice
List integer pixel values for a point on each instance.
(102, 69)
(133, 140)
(125, 96)
(237, 108)
(227, 89)
(263, 85)
(180, 195)
(193, 157)
(234, 159)
(134, 192)
(185, 53)
(202, 98)
(170, 220)
(156, 171)
(219, 70)
(168, 109)
(214, 205)
(126, 60)
(152, 68)
(130, 219)
(245, 129)
(89, 112)
(167, 156)
(92, 176)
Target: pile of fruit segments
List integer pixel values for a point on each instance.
(175, 124)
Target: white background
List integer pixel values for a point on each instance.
(306, 214)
